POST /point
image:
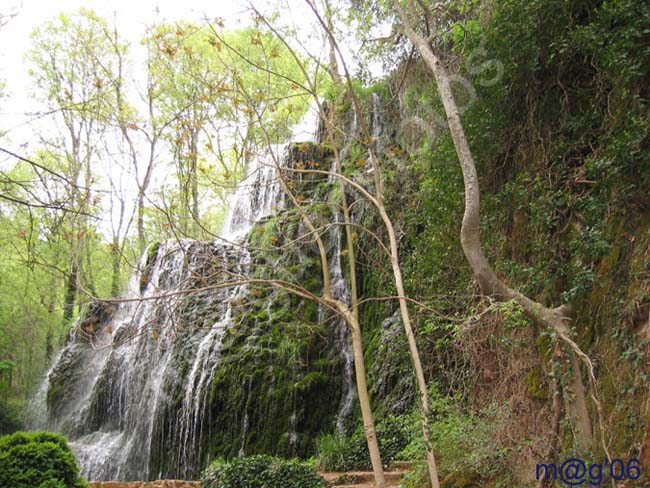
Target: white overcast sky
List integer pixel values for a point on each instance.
(21, 132)
(131, 16)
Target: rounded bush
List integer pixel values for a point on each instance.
(38, 460)
(261, 472)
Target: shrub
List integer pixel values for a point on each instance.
(349, 453)
(464, 444)
(332, 452)
(337, 453)
(261, 472)
(38, 460)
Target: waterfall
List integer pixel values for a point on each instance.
(117, 420)
(341, 291)
(293, 434)
(36, 411)
(132, 386)
(244, 430)
(124, 376)
(258, 195)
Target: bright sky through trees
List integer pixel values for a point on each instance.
(130, 16)
(25, 120)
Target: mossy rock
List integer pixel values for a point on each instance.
(152, 254)
(535, 384)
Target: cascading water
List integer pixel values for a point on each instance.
(118, 378)
(132, 387)
(118, 418)
(244, 430)
(341, 291)
(36, 411)
(257, 196)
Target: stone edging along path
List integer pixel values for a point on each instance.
(350, 479)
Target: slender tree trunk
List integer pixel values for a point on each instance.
(194, 183)
(349, 315)
(487, 279)
(357, 343)
(49, 346)
(48, 302)
(116, 259)
(89, 276)
(364, 399)
(69, 298)
(399, 285)
(415, 356)
(142, 241)
(333, 65)
(394, 254)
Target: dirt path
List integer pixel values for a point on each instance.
(364, 479)
(349, 479)
(145, 484)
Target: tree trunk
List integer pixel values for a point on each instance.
(142, 242)
(364, 399)
(194, 184)
(116, 259)
(394, 254)
(69, 298)
(352, 319)
(142, 188)
(489, 282)
(401, 293)
(415, 357)
(353, 324)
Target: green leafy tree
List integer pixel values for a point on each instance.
(73, 65)
(211, 87)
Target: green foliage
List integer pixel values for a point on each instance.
(462, 441)
(243, 78)
(332, 452)
(619, 40)
(67, 75)
(561, 142)
(465, 441)
(38, 460)
(261, 472)
(10, 420)
(513, 314)
(337, 453)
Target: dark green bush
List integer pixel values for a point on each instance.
(38, 460)
(261, 472)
